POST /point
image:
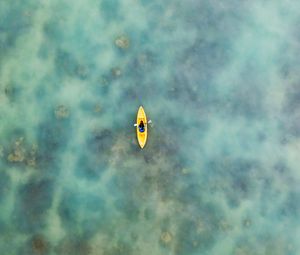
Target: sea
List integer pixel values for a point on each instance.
(220, 173)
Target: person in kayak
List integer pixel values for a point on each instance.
(142, 127)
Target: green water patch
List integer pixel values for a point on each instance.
(5, 184)
(81, 213)
(33, 200)
(73, 245)
(36, 244)
(53, 135)
(238, 179)
(16, 20)
(110, 10)
(218, 174)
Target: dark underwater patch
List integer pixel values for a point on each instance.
(90, 167)
(36, 245)
(238, 178)
(247, 101)
(198, 65)
(129, 207)
(197, 234)
(53, 136)
(8, 141)
(100, 141)
(291, 206)
(75, 245)
(123, 183)
(145, 61)
(281, 167)
(16, 21)
(33, 201)
(67, 65)
(5, 184)
(290, 124)
(53, 32)
(82, 213)
(3, 227)
(166, 183)
(293, 98)
(12, 91)
(192, 194)
(149, 214)
(120, 248)
(109, 9)
(94, 161)
(45, 51)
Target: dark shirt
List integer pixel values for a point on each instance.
(141, 127)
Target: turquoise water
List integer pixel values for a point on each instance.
(220, 172)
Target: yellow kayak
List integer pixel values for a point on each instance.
(141, 127)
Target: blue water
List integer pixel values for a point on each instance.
(220, 171)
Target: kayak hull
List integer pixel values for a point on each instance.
(141, 136)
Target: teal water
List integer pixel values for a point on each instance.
(220, 172)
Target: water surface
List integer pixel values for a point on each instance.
(220, 172)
